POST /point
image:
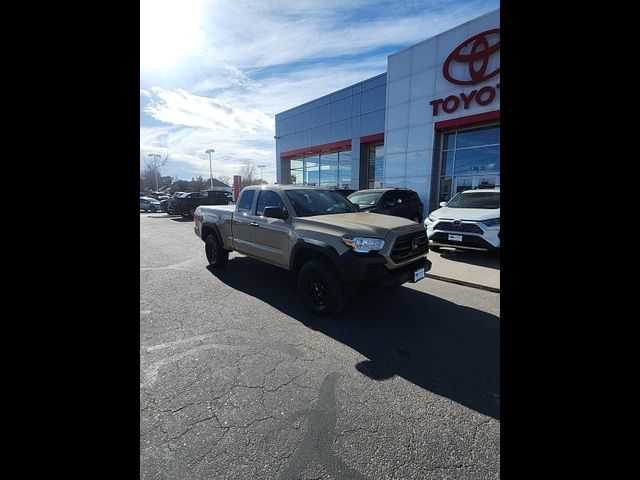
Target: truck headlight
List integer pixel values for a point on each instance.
(431, 218)
(363, 244)
(492, 222)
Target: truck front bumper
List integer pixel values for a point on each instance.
(367, 273)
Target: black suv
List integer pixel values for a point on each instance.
(398, 202)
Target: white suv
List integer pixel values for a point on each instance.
(470, 220)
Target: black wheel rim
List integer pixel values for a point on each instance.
(211, 251)
(317, 289)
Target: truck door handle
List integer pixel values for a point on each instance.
(255, 224)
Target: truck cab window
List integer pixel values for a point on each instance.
(246, 199)
(267, 198)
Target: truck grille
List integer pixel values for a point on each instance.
(463, 227)
(404, 249)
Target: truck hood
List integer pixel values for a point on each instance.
(357, 223)
(466, 213)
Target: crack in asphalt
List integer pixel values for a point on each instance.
(202, 457)
(151, 372)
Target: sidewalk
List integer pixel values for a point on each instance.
(471, 268)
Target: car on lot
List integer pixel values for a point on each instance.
(345, 192)
(398, 202)
(149, 204)
(186, 204)
(470, 220)
(164, 202)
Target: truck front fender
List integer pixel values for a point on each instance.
(309, 248)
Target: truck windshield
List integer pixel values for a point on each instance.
(475, 200)
(308, 203)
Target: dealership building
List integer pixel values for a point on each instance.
(431, 123)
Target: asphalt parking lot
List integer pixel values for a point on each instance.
(239, 381)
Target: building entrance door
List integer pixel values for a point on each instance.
(462, 183)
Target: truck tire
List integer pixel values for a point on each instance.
(216, 255)
(321, 289)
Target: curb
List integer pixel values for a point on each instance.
(462, 282)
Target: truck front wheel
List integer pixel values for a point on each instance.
(216, 255)
(322, 290)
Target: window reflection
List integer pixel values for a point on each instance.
(472, 153)
(329, 170)
(476, 138)
(344, 169)
(475, 160)
(376, 165)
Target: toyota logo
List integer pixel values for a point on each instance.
(457, 222)
(475, 53)
(414, 244)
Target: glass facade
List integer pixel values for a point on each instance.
(469, 159)
(375, 165)
(329, 170)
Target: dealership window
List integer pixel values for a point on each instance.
(297, 170)
(311, 169)
(469, 158)
(344, 169)
(329, 170)
(375, 165)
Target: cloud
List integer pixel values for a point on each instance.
(179, 107)
(252, 35)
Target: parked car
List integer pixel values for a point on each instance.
(164, 202)
(345, 192)
(186, 204)
(333, 248)
(149, 204)
(398, 202)
(470, 220)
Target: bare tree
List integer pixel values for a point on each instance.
(226, 179)
(248, 171)
(248, 174)
(151, 171)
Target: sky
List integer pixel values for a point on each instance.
(214, 73)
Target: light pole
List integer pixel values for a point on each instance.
(210, 151)
(261, 167)
(155, 164)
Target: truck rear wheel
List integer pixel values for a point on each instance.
(321, 289)
(216, 255)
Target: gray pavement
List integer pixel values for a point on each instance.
(239, 381)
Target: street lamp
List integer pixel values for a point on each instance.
(210, 151)
(261, 167)
(155, 163)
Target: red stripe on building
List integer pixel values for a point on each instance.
(327, 147)
(376, 137)
(469, 120)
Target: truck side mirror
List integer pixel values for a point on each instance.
(442, 204)
(276, 212)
